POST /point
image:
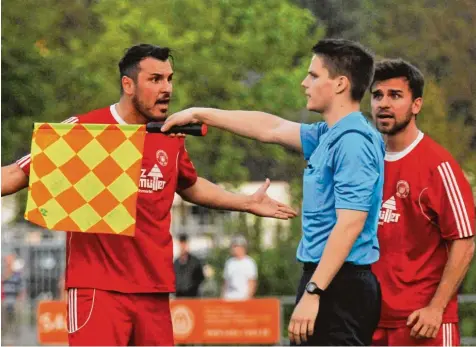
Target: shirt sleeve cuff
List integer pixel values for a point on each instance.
(356, 207)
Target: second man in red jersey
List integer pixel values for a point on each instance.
(426, 225)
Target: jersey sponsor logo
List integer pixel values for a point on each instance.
(403, 189)
(151, 181)
(387, 212)
(162, 157)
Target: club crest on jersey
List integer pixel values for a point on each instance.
(162, 157)
(403, 189)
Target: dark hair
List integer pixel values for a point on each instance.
(350, 59)
(183, 237)
(129, 64)
(394, 68)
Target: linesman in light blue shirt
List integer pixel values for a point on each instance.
(338, 300)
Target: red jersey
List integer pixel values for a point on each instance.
(427, 202)
(143, 263)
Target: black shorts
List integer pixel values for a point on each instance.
(349, 310)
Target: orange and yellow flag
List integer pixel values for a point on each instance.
(84, 177)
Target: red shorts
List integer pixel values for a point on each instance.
(447, 336)
(98, 317)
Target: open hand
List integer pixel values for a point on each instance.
(262, 205)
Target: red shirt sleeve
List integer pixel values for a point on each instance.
(452, 199)
(187, 175)
(24, 164)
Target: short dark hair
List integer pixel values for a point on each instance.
(394, 68)
(183, 237)
(347, 58)
(129, 64)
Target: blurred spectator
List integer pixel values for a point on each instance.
(12, 292)
(188, 271)
(209, 287)
(240, 272)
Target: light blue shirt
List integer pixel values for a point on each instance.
(344, 171)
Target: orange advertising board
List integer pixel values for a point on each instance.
(195, 321)
(51, 323)
(215, 321)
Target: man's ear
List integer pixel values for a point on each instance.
(342, 83)
(417, 105)
(128, 85)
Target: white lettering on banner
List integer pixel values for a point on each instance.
(47, 323)
(236, 332)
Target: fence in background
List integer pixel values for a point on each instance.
(43, 277)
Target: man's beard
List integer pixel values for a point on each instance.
(398, 126)
(149, 116)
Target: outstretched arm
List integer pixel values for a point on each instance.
(205, 193)
(13, 179)
(256, 125)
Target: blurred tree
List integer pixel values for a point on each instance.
(439, 37)
(39, 84)
(249, 55)
(246, 55)
(342, 18)
(443, 49)
(38, 81)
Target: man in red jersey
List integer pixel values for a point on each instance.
(426, 225)
(118, 287)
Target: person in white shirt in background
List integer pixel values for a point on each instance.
(240, 272)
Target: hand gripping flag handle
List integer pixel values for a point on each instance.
(194, 129)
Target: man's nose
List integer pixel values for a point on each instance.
(166, 87)
(384, 102)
